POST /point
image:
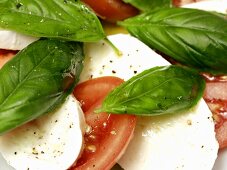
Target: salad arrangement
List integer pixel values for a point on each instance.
(57, 61)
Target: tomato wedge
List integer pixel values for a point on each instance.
(112, 10)
(216, 97)
(109, 134)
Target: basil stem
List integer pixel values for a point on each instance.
(65, 19)
(37, 80)
(159, 90)
(148, 5)
(192, 37)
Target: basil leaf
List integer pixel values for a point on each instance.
(64, 19)
(159, 90)
(148, 5)
(192, 37)
(37, 80)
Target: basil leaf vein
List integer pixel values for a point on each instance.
(192, 37)
(159, 90)
(37, 80)
(67, 19)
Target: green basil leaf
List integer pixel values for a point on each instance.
(64, 19)
(37, 80)
(192, 37)
(148, 5)
(159, 90)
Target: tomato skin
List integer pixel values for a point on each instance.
(219, 110)
(215, 96)
(112, 10)
(221, 135)
(5, 55)
(109, 134)
(92, 87)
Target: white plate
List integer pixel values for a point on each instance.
(212, 5)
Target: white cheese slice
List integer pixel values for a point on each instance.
(53, 141)
(12, 40)
(184, 141)
(209, 5)
(102, 60)
(180, 141)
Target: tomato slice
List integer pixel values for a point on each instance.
(90, 91)
(112, 10)
(109, 134)
(5, 55)
(216, 97)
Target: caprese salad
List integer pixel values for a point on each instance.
(57, 93)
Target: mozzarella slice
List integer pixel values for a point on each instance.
(53, 141)
(184, 141)
(102, 60)
(181, 141)
(209, 5)
(11, 40)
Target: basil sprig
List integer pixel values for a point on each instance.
(37, 80)
(148, 5)
(65, 19)
(192, 37)
(159, 90)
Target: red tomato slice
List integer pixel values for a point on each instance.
(5, 55)
(109, 134)
(90, 91)
(216, 97)
(112, 10)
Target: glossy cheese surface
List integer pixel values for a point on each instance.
(183, 141)
(53, 141)
(12, 40)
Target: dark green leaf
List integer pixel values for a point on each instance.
(192, 37)
(159, 90)
(66, 19)
(148, 5)
(37, 80)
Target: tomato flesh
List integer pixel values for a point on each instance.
(109, 134)
(89, 92)
(116, 10)
(112, 10)
(216, 97)
(5, 55)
